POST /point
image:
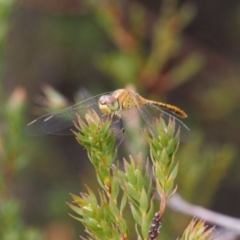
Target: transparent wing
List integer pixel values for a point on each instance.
(130, 114)
(62, 122)
(150, 112)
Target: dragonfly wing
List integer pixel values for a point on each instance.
(151, 112)
(62, 122)
(130, 114)
(54, 123)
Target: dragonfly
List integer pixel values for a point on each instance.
(119, 104)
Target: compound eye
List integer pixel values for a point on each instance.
(107, 100)
(102, 100)
(110, 101)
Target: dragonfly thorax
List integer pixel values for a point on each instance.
(108, 104)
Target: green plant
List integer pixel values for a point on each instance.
(135, 186)
(145, 49)
(14, 159)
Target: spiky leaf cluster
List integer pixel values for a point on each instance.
(102, 219)
(197, 230)
(96, 136)
(133, 184)
(137, 186)
(163, 146)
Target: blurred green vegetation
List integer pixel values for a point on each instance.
(178, 53)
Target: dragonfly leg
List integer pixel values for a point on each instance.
(122, 130)
(118, 128)
(121, 126)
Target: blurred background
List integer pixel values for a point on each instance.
(186, 53)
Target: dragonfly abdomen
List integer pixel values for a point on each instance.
(177, 111)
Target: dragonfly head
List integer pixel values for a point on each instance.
(108, 104)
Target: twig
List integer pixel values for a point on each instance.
(178, 204)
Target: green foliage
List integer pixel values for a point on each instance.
(13, 160)
(135, 62)
(205, 170)
(11, 227)
(54, 101)
(96, 137)
(196, 230)
(104, 215)
(5, 10)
